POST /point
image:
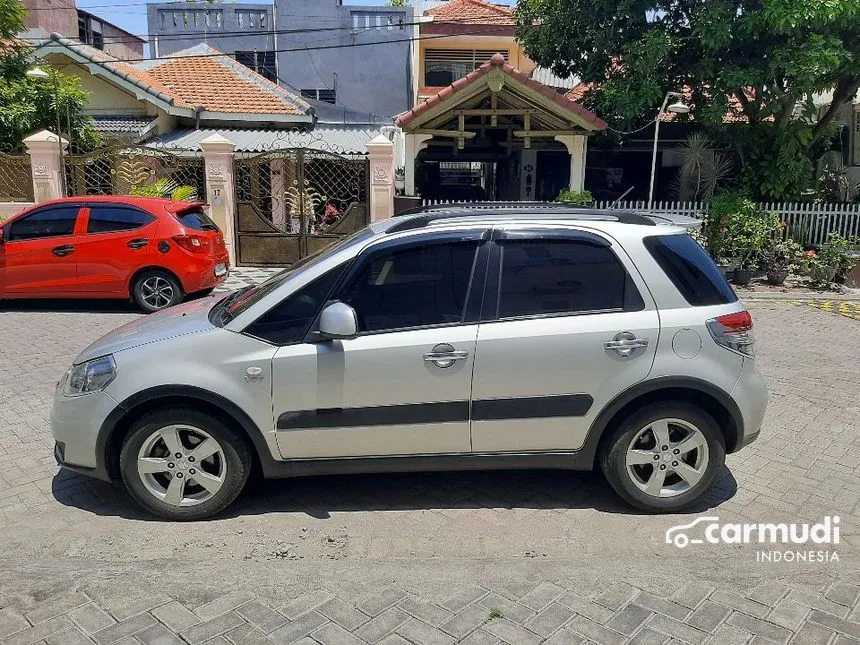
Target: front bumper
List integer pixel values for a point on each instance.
(75, 425)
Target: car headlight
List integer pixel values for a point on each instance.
(92, 376)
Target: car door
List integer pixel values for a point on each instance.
(115, 242)
(37, 256)
(402, 386)
(568, 324)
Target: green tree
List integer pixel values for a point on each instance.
(762, 60)
(397, 3)
(29, 104)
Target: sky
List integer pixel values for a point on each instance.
(131, 14)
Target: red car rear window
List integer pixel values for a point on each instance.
(195, 218)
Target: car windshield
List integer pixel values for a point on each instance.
(239, 301)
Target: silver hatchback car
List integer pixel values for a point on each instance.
(461, 337)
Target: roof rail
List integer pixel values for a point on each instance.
(422, 216)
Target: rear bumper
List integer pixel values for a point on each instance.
(200, 278)
(750, 394)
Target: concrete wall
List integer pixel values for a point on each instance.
(51, 16)
(160, 24)
(119, 43)
(373, 78)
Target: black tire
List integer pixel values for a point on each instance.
(172, 291)
(237, 463)
(614, 452)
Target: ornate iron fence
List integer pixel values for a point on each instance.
(16, 176)
(293, 202)
(125, 169)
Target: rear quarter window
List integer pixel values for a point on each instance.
(690, 269)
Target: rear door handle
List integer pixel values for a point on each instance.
(138, 243)
(62, 251)
(625, 343)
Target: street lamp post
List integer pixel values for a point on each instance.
(678, 107)
(39, 73)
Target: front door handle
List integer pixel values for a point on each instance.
(445, 356)
(138, 243)
(62, 251)
(625, 344)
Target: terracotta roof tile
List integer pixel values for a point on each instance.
(499, 61)
(472, 11)
(201, 77)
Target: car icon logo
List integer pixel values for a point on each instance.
(678, 535)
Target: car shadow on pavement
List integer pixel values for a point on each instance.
(318, 497)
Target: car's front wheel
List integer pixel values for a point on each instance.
(664, 457)
(155, 290)
(183, 464)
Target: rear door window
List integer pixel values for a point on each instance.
(690, 269)
(562, 276)
(195, 218)
(110, 218)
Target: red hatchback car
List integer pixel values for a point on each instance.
(154, 251)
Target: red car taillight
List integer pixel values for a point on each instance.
(193, 243)
(734, 332)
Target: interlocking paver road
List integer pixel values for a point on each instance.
(476, 558)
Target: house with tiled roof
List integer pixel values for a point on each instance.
(496, 133)
(487, 123)
(193, 88)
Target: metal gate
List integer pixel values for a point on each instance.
(135, 169)
(293, 202)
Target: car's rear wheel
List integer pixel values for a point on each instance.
(155, 290)
(664, 457)
(183, 464)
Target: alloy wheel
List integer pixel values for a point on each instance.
(157, 292)
(667, 457)
(182, 465)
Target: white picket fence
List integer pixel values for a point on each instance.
(804, 220)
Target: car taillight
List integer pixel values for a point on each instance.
(193, 243)
(734, 332)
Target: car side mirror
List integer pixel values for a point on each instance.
(338, 321)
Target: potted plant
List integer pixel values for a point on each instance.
(779, 259)
(832, 262)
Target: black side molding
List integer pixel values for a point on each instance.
(413, 414)
(534, 407)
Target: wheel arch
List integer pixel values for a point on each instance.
(712, 399)
(118, 423)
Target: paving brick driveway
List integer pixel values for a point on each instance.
(433, 558)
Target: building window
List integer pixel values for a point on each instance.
(326, 96)
(251, 18)
(91, 31)
(261, 62)
(376, 20)
(444, 66)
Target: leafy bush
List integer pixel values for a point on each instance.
(582, 198)
(166, 188)
(737, 229)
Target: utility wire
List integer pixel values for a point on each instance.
(261, 32)
(287, 50)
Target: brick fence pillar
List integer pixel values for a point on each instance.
(46, 151)
(381, 154)
(220, 187)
